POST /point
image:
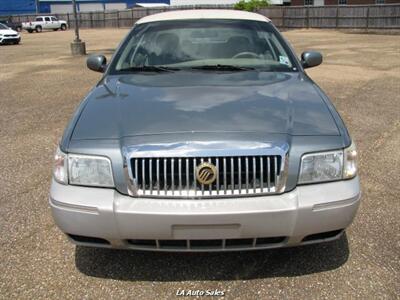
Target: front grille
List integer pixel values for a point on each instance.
(236, 175)
(10, 35)
(217, 244)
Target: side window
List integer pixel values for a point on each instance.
(39, 19)
(342, 2)
(54, 19)
(308, 2)
(47, 19)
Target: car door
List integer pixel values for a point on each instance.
(55, 24)
(47, 23)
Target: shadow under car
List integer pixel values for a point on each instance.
(164, 266)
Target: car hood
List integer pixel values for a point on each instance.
(194, 102)
(7, 31)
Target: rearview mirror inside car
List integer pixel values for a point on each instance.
(311, 59)
(97, 63)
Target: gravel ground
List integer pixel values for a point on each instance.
(41, 85)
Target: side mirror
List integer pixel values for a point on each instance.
(97, 63)
(311, 59)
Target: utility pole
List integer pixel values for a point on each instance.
(77, 46)
(37, 6)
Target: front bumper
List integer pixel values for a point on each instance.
(105, 218)
(10, 40)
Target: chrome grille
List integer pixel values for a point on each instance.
(236, 175)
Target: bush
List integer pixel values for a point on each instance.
(251, 5)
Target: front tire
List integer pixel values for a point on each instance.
(30, 30)
(38, 29)
(63, 27)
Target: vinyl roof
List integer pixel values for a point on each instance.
(227, 14)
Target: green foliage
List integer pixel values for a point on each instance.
(251, 5)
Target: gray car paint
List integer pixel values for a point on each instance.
(140, 108)
(203, 102)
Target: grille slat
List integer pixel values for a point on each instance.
(194, 177)
(275, 169)
(136, 172)
(187, 176)
(268, 174)
(240, 174)
(262, 174)
(225, 185)
(232, 175)
(217, 166)
(143, 175)
(180, 176)
(210, 185)
(172, 177)
(165, 175)
(247, 175)
(254, 175)
(176, 176)
(158, 176)
(202, 185)
(151, 175)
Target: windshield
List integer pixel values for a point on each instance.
(203, 44)
(2, 26)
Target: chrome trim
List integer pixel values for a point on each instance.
(206, 151)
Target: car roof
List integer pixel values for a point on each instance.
(227, 14)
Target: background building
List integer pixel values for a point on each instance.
(64, 6)
(8, 7)
(17, 7)
(341, 2)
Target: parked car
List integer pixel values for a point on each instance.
(205, 134)
(44, 23)
(8, 36)
(17, 26)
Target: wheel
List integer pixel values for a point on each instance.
(63, 27)
(38, 29)
(16, 43)
(30, 30)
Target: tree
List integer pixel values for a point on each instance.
(251, 5)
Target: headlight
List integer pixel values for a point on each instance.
(328, 166)
(85, 170)
(323, 166)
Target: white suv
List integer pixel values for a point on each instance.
(8, 36)
(44, 22)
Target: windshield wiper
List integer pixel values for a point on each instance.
(222, 68)
(150, 68)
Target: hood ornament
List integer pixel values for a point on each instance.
(206, 173)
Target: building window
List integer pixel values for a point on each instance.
(342, 2)
(308, 2)
(380, 1)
